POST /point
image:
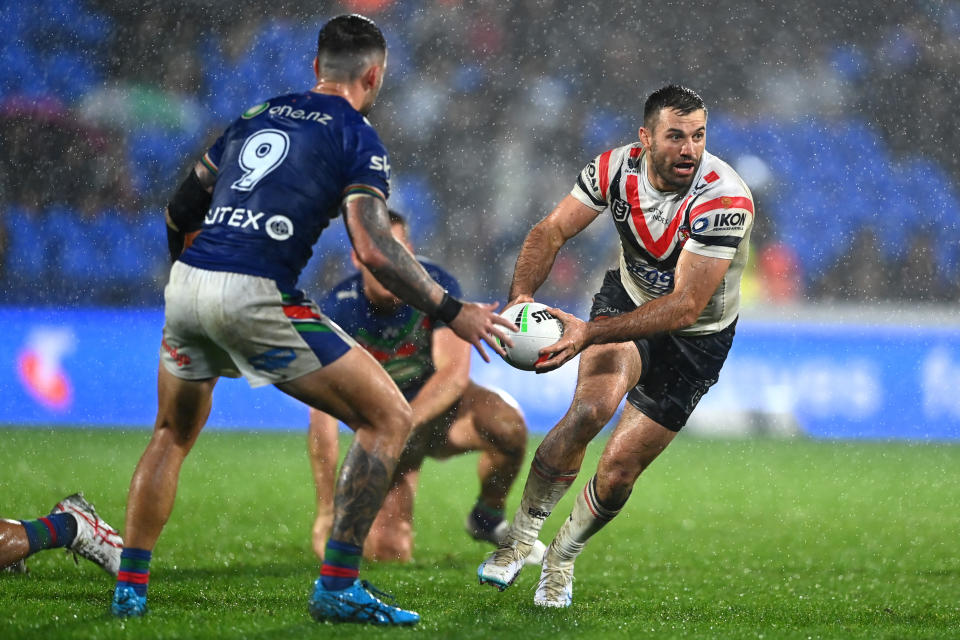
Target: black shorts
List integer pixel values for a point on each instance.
(676, 370)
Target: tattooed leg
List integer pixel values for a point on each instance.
(363, 484)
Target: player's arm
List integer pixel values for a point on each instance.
(391, 263)
(451, 357)
(368, 224)
(187, 208)
(696, 279)
(540, 248)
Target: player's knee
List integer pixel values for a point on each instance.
(592, 413)
(167, 434)
(396, 423)
(510, 433)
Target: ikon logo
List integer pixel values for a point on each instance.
(728, 219)
(40, 369)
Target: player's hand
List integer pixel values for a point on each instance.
(573, 341)
(518, 300)
(477, 323)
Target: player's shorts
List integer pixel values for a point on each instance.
(219, 323)
(676, 370)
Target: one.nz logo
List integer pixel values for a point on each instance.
(273, 359)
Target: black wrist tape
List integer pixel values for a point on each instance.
(448, 309)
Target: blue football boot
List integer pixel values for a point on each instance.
(127, 604)
(357, 603)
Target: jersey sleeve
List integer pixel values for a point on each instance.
(211, 159)
(718, 225)
(367, 163)
(592, 184)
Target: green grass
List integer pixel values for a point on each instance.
(722, 539)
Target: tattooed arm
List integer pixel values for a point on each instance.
(392, 264)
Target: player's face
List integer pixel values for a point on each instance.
(675, 145)
(378, 294)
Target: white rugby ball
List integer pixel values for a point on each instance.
(538, 329)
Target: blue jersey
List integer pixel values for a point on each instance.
(399, 340)
(283, 168)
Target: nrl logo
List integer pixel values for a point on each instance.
(620, 210)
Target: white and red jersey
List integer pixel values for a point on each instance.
(713, 218)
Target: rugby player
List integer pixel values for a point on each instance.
(451, 413)
(72, 524)
(262, 195)
(659, 330)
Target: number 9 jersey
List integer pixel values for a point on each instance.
(283, 168)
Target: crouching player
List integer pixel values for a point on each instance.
(451, 414)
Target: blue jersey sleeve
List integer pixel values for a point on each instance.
(213, 156)
(368, 163)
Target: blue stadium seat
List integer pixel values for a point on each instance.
(26, 262)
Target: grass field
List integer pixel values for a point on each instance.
(722, 539)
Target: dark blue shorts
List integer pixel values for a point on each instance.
(676, 370)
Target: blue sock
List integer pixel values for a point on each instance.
(135, 570)
(50, 532)
(341, 565)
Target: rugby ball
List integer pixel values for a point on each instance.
(538, 329)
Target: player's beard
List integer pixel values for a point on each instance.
(663, 167)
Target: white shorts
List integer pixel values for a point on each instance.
(219, 323)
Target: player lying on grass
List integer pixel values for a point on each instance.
(659, 330)
(72, 524)
(451, 413)
(262, 195)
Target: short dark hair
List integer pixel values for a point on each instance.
(673, 96)
(345, 43)
(396, 218)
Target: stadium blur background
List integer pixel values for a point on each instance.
(839, 116)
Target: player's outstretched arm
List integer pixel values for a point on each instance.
(368, 224)
(540, 248)
(697, 278)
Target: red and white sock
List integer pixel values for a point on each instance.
(542, 492)
(588, 517)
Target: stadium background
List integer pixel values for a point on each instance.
(837, 115)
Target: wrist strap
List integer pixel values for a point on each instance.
(448, 309)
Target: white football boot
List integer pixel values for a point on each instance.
(555, 588)
(498, 537)
(503, 566)
(96, 541)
